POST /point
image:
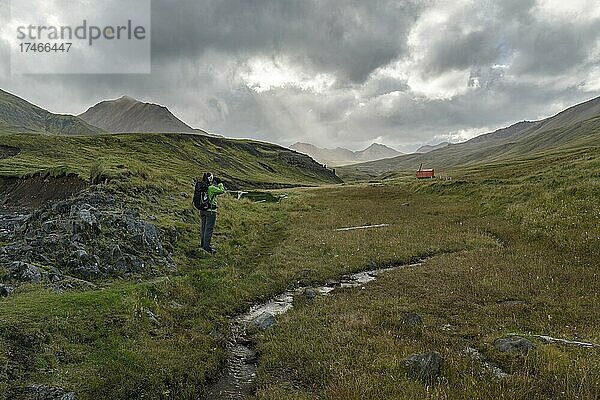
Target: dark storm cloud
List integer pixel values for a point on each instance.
(398, 72)
(462, 51)
(544, 49)
(350, 38)
(485, 33)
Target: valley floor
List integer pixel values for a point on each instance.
(506, 253)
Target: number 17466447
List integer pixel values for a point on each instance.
(45, 47)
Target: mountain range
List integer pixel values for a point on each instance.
(427, 148)
(341, 156)
(18, 115)
(576, 126)
(123, 115)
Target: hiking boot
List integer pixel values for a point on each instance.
(210, 250)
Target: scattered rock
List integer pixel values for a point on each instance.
(51, 239)
(84, 219)
(176, 305)
(513, 344)
(55, 275)
(49, 226)
(426, 366)
(43, 392)
(405, 204)
(264, 321)
(5, 290)
(485, 363)
(23, 271)
(474, 353)
(152, 317)
(412, 319)
(88, 218)
(116, 253)
(310, 293)
(84, 264)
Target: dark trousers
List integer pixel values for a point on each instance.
(208, 224)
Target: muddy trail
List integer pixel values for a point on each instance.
(237, 379)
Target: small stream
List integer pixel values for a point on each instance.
(237, 380)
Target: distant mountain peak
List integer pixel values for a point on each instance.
(375, 145)
(342, 156)
(127, 98)
(128, 115)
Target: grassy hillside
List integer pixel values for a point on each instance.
(162, 160)
(575, 127)
(20, 116)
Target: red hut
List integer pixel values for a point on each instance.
(425, 173)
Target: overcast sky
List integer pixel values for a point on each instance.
(349, 72)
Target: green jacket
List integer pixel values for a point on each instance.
(213, 192)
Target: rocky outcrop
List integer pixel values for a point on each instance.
(5, 290)
(43, 392)
(88, 237)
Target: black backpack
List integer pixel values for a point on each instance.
(201, 196)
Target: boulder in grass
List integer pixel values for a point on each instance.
(426, 367)
(310, 293)
(513, 344)
(412, 319)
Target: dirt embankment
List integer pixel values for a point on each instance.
(8, 151)
(33, 192)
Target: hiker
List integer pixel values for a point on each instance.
(205, 199)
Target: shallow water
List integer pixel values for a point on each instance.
(237, 380)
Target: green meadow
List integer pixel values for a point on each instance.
(525, 231)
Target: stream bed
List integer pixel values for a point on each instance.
(237, 379)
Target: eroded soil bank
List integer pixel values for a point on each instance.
(34, 192)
